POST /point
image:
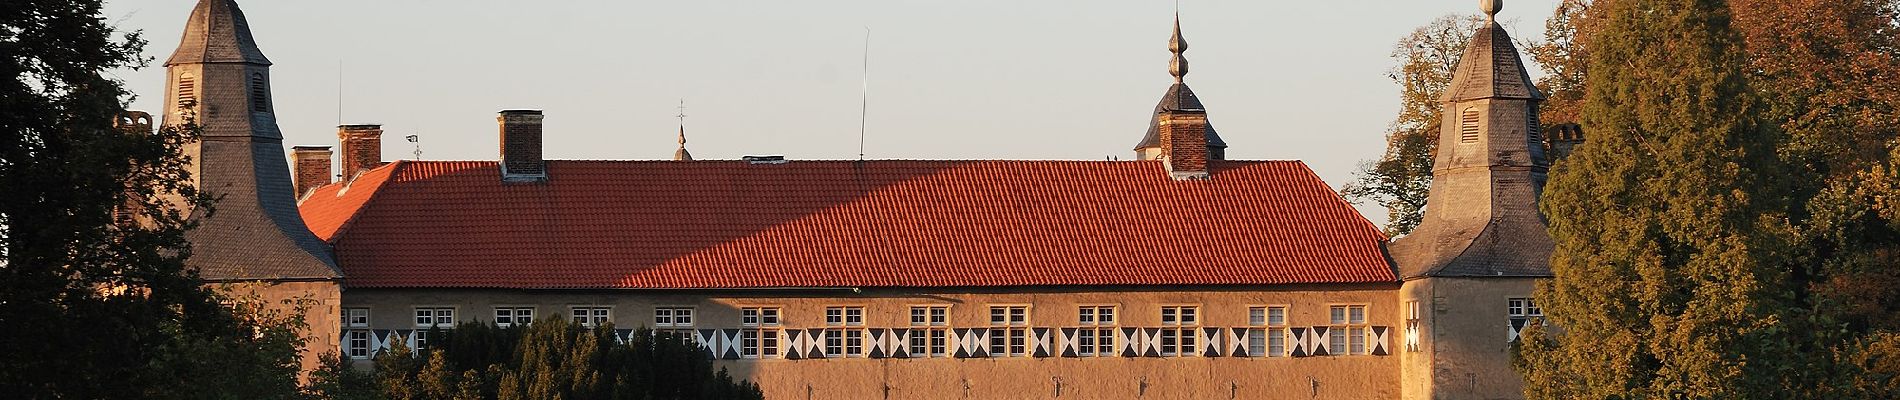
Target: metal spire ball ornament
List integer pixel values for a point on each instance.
(1178, 65)
(1491, 7)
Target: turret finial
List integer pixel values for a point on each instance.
(682, 154)
(1178, 65)
(1491, 8)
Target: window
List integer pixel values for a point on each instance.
(260, 96)
(422, 339)
(1267, 338)
(930, 332)
(1096, 336)
(760, 337)
(1468, 126)
(841, 341)
(673, 317)
(590, 316)
(356, 343)
(435, 317)
(356, 317)
(1009, 331)
(1347, 335)
(512, 316)
(1411, 326)
(1523, 310)
(187, 92)
(1524, 307)
(1178, 334)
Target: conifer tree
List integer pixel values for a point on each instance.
(1671, 266)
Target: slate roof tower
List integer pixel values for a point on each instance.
(218, 79)
(1471, 266)
(1178, 98)
(1482, 218)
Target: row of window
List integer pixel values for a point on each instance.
(920, 316)
(1008, 332)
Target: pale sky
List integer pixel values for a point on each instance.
(964, 79)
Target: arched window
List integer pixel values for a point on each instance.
(260, 98)
(1468, 126)
(187, 92)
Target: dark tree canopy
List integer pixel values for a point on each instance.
(552, 359)
(94, 296)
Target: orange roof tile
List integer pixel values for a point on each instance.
(730, 224)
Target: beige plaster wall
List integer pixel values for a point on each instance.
(1333, 377)
(321, 300)
(1464, 352)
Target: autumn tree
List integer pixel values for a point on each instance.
(95, 298)
(1671, 276)
(1400, 180)
(1563, 55)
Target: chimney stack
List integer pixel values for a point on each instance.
(521, 146)
(1184, 144)
(362, 148)
(312, 168)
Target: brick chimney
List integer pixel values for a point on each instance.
(1183, 136)
(312, 168)
(521, 146)
(362, 148)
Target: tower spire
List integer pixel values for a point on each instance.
(1178, 65)
(682, 154)
(1179, 98)
(217, 33)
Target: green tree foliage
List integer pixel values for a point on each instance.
(1825, 74)
(94, 294)
(1671, 276)
(552, 359)
(1401, 179)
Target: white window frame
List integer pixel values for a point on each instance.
(1523, 307)
(514, 315)
(351, 346)
(437, 317)
(929, 331)
(1179, 336)
(1348, 333)
(590, 315)
(356, 317)
(1267, 330)
(1009, 330)
(759, 338)
(674, 317)
(1095, 331)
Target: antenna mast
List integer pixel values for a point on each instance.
(864, 93)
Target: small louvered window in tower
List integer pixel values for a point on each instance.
(260, 98)
(1468, 126)
(187, 92)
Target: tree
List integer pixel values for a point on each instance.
(1671, 266)
(1401, 179)
(550, 359)
(94, 294)
(1564, 58)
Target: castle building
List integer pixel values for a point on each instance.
(1181, 274)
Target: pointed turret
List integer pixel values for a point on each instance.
(1178, 98)
(219, 80)
(1481, 218)
(217, 33)
(682, 154)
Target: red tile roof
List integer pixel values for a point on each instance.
(730, 224)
